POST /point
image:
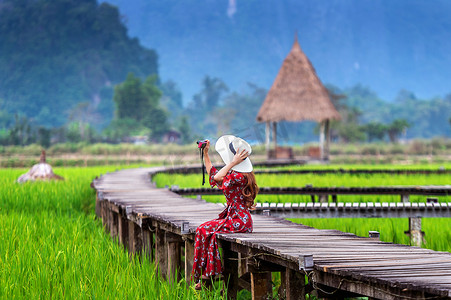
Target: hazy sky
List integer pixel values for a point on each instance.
(386, 45)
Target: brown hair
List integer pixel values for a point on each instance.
(250, 190)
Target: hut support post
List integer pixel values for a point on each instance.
(327, 145)
(274, 137)
(321, 139)
(267, 137)
(189, 257)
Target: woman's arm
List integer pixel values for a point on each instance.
(207, 160)
(238, 158)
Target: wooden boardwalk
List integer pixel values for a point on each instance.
(337, 264)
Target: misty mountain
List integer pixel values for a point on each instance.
(386, 45)
(56, 54)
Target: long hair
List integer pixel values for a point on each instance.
(250, 190)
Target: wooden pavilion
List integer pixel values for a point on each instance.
(298, 95)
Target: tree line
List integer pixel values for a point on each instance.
(150, 108)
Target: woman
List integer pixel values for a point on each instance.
(237, 181)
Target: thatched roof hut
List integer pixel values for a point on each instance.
(297, 95)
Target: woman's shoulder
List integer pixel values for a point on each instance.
(237, 175)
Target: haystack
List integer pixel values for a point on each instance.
(40, 171)
(297, 95)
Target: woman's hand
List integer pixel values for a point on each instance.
(239, 157)
(207, 147)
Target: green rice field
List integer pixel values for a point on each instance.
(53, 247)
(438, 230)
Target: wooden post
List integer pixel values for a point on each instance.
(113, 223)
(103, 209)
(405, 198)
(134, 237)
(327, 145)
(122, 230)
(242, 264)
(416, 235)
(148, 243)
(323, 198)
(161, 252)
(294, 283)
(267, 138)
(375, 235)
(230, 273)
(261, 287)
(99, 199)
(274, 137)
(189, 257)
(321, 140)
(174, 256)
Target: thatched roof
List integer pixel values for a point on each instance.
(297, 94)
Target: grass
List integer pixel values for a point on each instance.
(53, 247)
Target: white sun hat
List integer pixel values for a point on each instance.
(228, 145)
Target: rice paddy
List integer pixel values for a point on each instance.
(53, 247)
(437, 230)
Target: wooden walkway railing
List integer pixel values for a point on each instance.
(162, 224)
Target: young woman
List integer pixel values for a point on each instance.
(237, 181)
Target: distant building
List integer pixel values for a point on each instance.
(172, 136)
(298, 95)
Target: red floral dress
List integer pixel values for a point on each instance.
(234, 218)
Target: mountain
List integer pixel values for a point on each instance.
(56, 54)
(386, 45)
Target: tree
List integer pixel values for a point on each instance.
(204, 103)
(375, 131)
(185, 130)
(210, 95)
(140, 101)
(120, 129)
(21, 132)
(172, 99)
(44, 135)
(395, 129)
(86, 40)
(83, 114)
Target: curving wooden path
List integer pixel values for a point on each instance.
(337, 264)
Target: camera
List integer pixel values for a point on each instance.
(201, 144)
